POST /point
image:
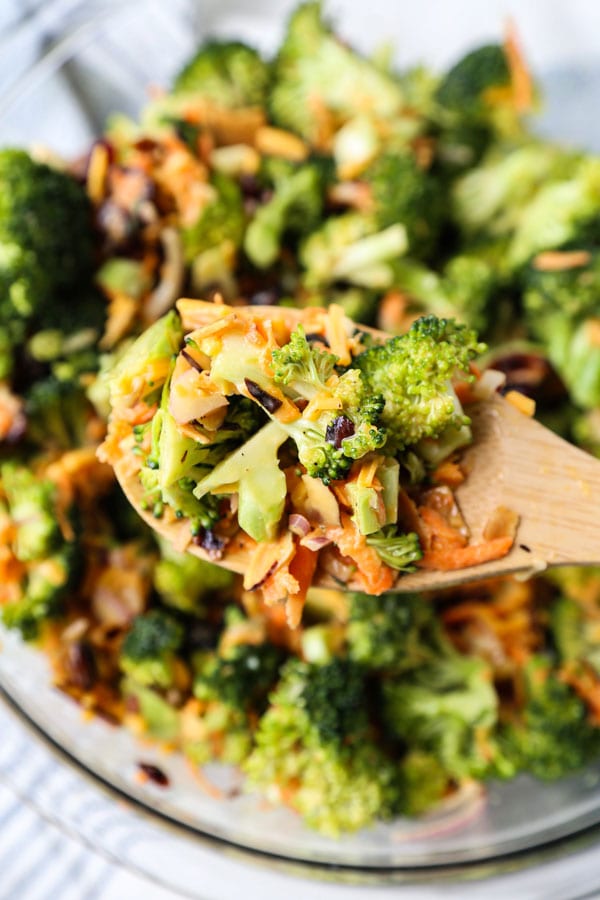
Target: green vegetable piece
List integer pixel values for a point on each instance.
(221, 222)
(149, 648)
(228, 73)
(46, 254)
(314, 69)
(412, 372)
(554, 735)
(295, 207)
(160, 718)
(161, 341)
(465, 86)
(127, 276)
(253, 472)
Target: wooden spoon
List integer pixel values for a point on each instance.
(513, 462)
(553, 487)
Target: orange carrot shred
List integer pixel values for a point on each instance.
(453, 558)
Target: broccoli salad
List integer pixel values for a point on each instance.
(257, 446)
(327, 186)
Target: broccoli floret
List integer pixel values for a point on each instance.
(301, 366)
(574, 634)
(45, 561)
(404, 193)
(399, 551)
(185, 582)
(148, 651)
(553, 735)
(351, 249)
(464, 290)
(560, 310)
(242, 677)
(222, 220)
(147, 361)
(413, 373)
(424, 782)
(562, 212)
(314, 746)
(316, 75)
(493, 197)
(448, 708)
(572, 291)
(45, 235)
(294, 207)
(227, 73)
(232, 686)
(328, 444)
(387, 632)
(46, 249)
(465, 87)
(57, 414)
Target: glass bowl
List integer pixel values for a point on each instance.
(69, 69)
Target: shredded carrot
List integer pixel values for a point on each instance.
(205, 783)
(454, 558)
(448, 473)
(302, 568)
(373, 575)
(520, 76)
(442, 535)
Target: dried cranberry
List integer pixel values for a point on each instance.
(342, 427)
(81, 665)
(153, 773)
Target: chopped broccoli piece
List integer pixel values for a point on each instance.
(350, 248)
(572, 291)
(57, 414)
(301, 366)
(232, 688)
(242, 677)
(46, 250)
(161, 720)
(221, 221)
(553, 735)
(424, 782)
(560, 310)
(47, 560)
(464, 290)
(465, 88)
(253, 471)
(399, 551)
(386, 632)
(295, 206)
(227, 73)
(413, 373)
(315, 74)
(448, 708)
(327, 445)
(562, 212)
(313, 746)
(404, 193)
(147, 361)
(495, 195)
(148, 651)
